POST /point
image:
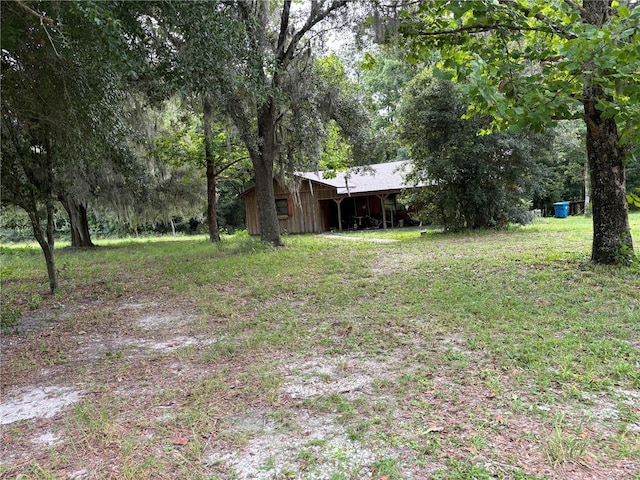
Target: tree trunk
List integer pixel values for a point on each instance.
(263, 161)
(265, 198)
(77, 212)
(45, 245)
(212, 174)
(612, 242)
(50, 224)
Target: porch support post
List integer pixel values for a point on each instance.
(338, 202)
(383, 197)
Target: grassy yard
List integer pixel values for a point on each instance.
(477, 356)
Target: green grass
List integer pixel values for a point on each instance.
(476, 336)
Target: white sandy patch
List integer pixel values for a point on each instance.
(602, 411)
(155, 321)
(37, 402)
(606, 409)
(317, 386)
(271, 454)
(47, 439)
(138, 305)
(392, 262)
(98, 346)
(79, 475)
(327, 376)
(174, 343)
(629, 397)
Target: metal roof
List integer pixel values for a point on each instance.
(358, 180)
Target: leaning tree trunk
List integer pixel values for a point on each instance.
(212, 203)
(612, 242)
(263, 160)
(46, 244)
(79, 220)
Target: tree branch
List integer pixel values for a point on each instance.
(315, 17)
(231, 164)
(483, 28)
(284, 26)
(41, 17)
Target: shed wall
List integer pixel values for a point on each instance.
(307, 213)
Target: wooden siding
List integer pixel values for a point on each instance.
(251, 211)
(307, 213)
(313, 208)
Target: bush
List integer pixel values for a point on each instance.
(472, 179)
(9, 317)
(14, 225)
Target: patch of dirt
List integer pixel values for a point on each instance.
(319, 444)
(47, 318)
(336, 375)
(156, 321)
(47, 439)
(36, 402)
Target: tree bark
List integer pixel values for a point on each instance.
(212, 174)
(77, 212)
(263, 160)
(612, 242)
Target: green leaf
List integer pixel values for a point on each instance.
(368, 62)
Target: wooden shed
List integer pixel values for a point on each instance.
(362, 197)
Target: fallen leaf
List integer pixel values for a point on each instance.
(384, 477)
(434, 428)
(179, 441)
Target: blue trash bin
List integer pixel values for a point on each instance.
(561, 209)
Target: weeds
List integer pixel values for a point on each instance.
(387, 468)
(9, 316)
(561, 446)
(93, 424)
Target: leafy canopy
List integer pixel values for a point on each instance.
(525, 62)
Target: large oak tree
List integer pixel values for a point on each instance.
(277, 37)
(529, 63)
